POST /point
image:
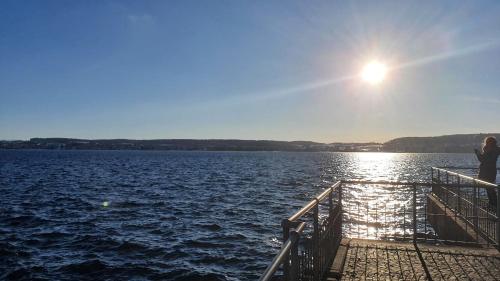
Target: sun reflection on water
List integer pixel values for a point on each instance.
(376, 166)
(377, 210)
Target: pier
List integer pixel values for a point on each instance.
(444, 229)
(378, 260)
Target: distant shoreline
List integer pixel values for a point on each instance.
(465, 143)
(270, 151)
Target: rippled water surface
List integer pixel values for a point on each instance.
(133, 215)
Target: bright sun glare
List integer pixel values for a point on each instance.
(374, 72)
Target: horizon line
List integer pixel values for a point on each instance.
(236, 139)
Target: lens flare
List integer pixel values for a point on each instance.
(374, 72)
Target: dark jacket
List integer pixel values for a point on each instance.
(488, 166)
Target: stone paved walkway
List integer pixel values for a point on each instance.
(378, 260)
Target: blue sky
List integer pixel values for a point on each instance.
(282, 70)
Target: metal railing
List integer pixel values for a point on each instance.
(349, 209)
(371, 213)
(458, 168)
(420, 212)
(466, 198)
(311, 238)
(463, 170)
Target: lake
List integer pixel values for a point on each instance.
(161, 215)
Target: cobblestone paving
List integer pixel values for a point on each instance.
(378, 260)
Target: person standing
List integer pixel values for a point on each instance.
(488, 167)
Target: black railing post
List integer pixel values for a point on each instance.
(449, 189)
(340, 200)
(286, 234)
(316, 256)
(367, 221)
(330, 203)
(294, 259)
(338, 229)
(497, 220)
(404, 222)
(359, 219)
(459, 197)
(432, 179)
(474, 211)
(414, 214)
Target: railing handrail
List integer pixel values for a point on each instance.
(460, 168)
(482, 182)
(404, 183)
(314, 202)
(282, 254)
(386, 182)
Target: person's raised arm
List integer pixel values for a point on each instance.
(479, 156)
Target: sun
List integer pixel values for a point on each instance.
(374, 72)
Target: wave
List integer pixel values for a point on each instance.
(212, 227)
(90, 266)
(204, 244)
(131, 247)
(26, 221)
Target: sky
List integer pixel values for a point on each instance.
(276, 70)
